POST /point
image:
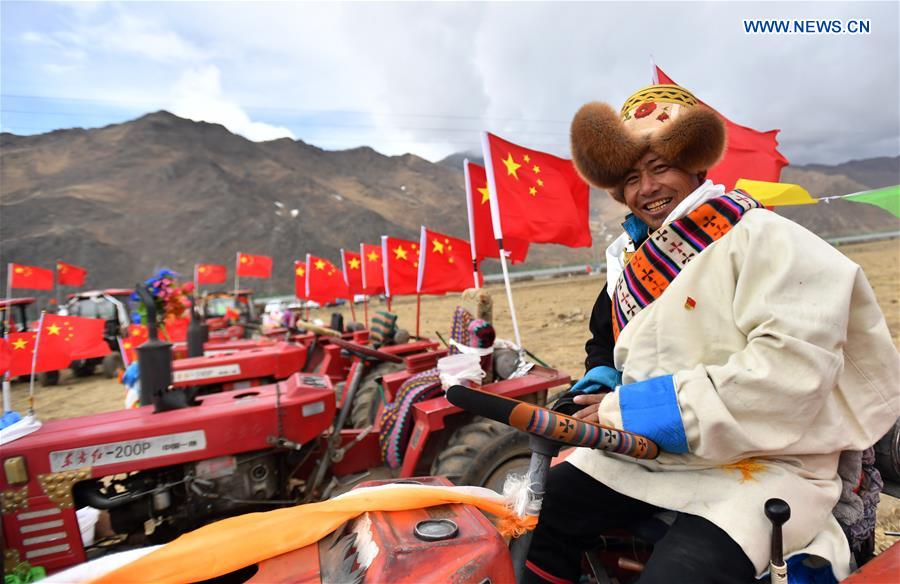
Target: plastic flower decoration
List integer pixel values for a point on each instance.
(170, 300)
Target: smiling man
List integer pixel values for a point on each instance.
(752, 352)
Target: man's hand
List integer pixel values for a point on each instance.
(592, 402)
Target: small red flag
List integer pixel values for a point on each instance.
(300, 279)
(53, 352)
(175, 329)
(324, 282)
(401, 265)
(137, 336)
(480, 227)
(749, 153)
(539, 197)
(83, 335)
(352, 264)
(446, 264)
(253, 266)
(70, 275)
(373, 268)
(30, 277)
(211, 274)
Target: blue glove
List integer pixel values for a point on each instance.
(598, 379)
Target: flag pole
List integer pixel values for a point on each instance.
(34, 356)
(498, 231)
(56, 285)
(237, 278)
(422, 243)
(366, 308)
(196, 281)
(7, 393)
(347, 282)
(471, 215)
(384, 270)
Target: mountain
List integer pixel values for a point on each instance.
(162, 191)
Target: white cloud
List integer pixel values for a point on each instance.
(198, 96)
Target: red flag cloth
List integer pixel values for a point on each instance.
(5, 356)
(446, 264)
(480, 228)
(211, 274)
(175, 329)
(749, 153)
(324, 282)
(83, 335)
(53, 352)
(401, 270)
(70, 275)
(352, 264)
(30, 277)
(541, 198)
(373, 268)
(300, 279)
(137, 336)
(254, 266)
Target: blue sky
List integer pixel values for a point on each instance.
(427, 77)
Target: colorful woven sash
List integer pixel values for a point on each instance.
(669, 249)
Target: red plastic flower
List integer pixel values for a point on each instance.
(662, 117)
(645, 109)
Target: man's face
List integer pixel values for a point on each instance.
(653, 188)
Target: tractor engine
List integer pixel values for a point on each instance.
(163, 503)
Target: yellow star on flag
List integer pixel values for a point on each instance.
(526, 158)
(437, 246)
(244, 259)
(19, 344)
(300, 271)
(485, 194)
(320, 265)
(373, 257)
(532, 191)
(511, 166)
(536, 169)
(399, 252)
(354, 263)
(540, 182)
(19, 270)
(53, 329)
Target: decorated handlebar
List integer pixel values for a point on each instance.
(549, 424)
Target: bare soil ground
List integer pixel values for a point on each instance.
(553, 320)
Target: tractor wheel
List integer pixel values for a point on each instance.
(482, 453)
(887, 454)
(83, 368)
(49, 378)
(369, 394)
(111, 364)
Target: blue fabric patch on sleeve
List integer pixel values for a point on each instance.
(650, 408)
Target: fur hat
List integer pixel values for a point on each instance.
(666, 119)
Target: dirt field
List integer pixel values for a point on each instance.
(553, 320)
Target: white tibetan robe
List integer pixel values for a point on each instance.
(784, 361)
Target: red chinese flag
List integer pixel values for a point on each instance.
(749, 153)
(480, 228)
(211, 274)
(446, 264)
(175, 329)
(52, 353)
(324, 281)
(540, 197)
(372, 268)
(300, 279)
(137, 336)
(69, 275)
(30, 277)
(352, 264)
(401, 265)
(5, 356)
(254, 266)
(84, 336)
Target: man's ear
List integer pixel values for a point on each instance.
(701, 177)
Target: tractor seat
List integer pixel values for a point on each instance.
(652, 529)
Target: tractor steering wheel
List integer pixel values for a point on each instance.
(365, 353)
(550, 424)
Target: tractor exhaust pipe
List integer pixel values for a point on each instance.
(197, 333)
(154, 356)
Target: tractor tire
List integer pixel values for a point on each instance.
(111, 365)
(49, 378)
(83, 368)
(887, 454)
(369, 394)
(482, 454)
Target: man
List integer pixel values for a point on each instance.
(749, 349)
